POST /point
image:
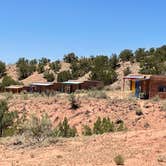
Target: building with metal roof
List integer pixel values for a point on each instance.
(147, 86)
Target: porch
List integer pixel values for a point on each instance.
(139, 85)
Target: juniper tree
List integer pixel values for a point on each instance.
(6, 118)
(64, 129)
(87, 130)
(2, 69)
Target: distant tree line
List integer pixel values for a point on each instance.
(101, 67)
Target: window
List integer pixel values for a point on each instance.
(162, 89)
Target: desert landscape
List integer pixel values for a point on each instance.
(107, 125)
(142, 143)
(82, 83)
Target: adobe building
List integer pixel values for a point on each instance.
(90, 84)
(147, 86)
(14, 88)
(70, 86)
(73, 85)
(41, 87)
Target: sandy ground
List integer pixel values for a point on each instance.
(140, 148)
(143, 144)
(90, 109)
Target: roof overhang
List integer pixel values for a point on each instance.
(41, 83)
(137, 77)
(72, 82)
(14, 87)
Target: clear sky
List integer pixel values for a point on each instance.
(52, 28)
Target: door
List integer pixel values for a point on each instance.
(137, 88)
(133, 86)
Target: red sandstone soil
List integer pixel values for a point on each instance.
(142, 145)
(139, 148)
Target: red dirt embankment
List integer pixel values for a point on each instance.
(144, 144)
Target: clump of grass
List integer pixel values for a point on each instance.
(37, 128)
(156, 98)
(139, 112)
(24, 96)
(80, 91)
(8, 95)
(40, 129)
(99, 94)
(35, 94)
(132, 98)
(163, 106)
(119, 160)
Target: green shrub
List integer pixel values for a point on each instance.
(97, 128)
(114, 61)
(108, 76)
(105, 125)
(40, 68)
(140, 54)
(55, 66)
(44, 61)
(64, 130)
(25, 68)
(102, 70)
(87, 131)
(81, 67)
(126, 55)
(33, 63)
(37, 128)
(99, 94)
(127, 71)
(64, 76)
(41, 128)
(7, 81)
(49, 76)
(119, 160)
(2, 69)
(71, 57)
(6, 118)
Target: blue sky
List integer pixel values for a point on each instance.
(52, 28)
